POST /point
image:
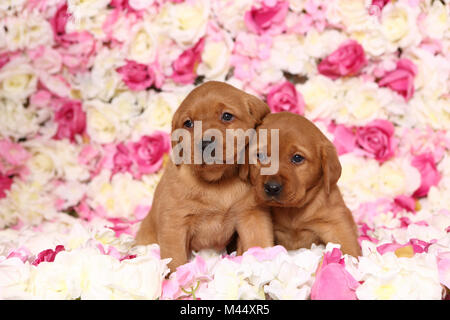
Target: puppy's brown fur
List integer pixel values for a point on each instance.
(199, 206)
(309, 209)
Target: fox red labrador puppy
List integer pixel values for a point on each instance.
(307, 206)
(202, 204)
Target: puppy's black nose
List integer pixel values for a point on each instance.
(272, 188)
(206, 143)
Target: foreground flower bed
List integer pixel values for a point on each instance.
(87, 93)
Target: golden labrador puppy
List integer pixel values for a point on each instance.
(201, 204)
(307, 206)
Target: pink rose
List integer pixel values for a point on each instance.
(59, 21)
(344, 139)
(184, 68)
(401, 80)
(333, 281)
(269, 18)
(77, 50)
(428, 172)
(136, 76)
(347, 60)
(284, 97)
(376, 139)
(4, 58)
(122, 159)
(148, 152)
(71, 120)
(5, 185)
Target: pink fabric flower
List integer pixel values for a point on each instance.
(429, 174)
(185, 67)
(71, 120)
(284, 97)
(262, 254)
(332, 281)
(376, 139)
(401, 80)
(5, 185)
(22, 253)
(136, 76)
(148, 152)
(269, 18)
(47, 255)
(347, 60)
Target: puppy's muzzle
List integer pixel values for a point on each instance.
(272, 188)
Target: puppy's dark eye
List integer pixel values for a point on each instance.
(297, 159)
(227, 116)
(188, 124)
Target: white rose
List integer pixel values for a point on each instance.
(14, 278)
(398, 177)
(29, 31)
(139, 278)
(230, 14)
(362, 102)
(399, 24)
(436, 23)
(320, 94)
(29, 201)
(374, 42)
(120, 196)
(215, 62)
(102, 125)
(353, 14)
(287, 53)
(185, 22)
(140, 4)
(143, 43)
(158, 114)
(11, 5)
(427, 112)
(94, 24)
(86, 8)
(320, 44)
(17, 122)
(17, 80)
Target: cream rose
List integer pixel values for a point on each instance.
(102, 125)
(19, 122)
(17, 79)
(215, 62)
(185, 22)
(288, 53)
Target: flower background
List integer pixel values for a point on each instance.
(87, 92)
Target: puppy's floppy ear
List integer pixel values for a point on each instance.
(257, 108)
(331, 167)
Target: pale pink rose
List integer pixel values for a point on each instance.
(48, 255)
(344, 139)
(185, 66)
(262, 254)
(269, 18)
(401, 80)
(443, 262)
(252, 45)
(137, 76)
(41, 98)
(333, 281)
(5, 185)
(245, 68)
(429, 174)
(347, 60)
(376, 139)
(71, 120)
(12, 157)
(284, 97)
(77, 50)
(148, 152)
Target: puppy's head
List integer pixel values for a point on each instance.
(307, 162)
(206, 114)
